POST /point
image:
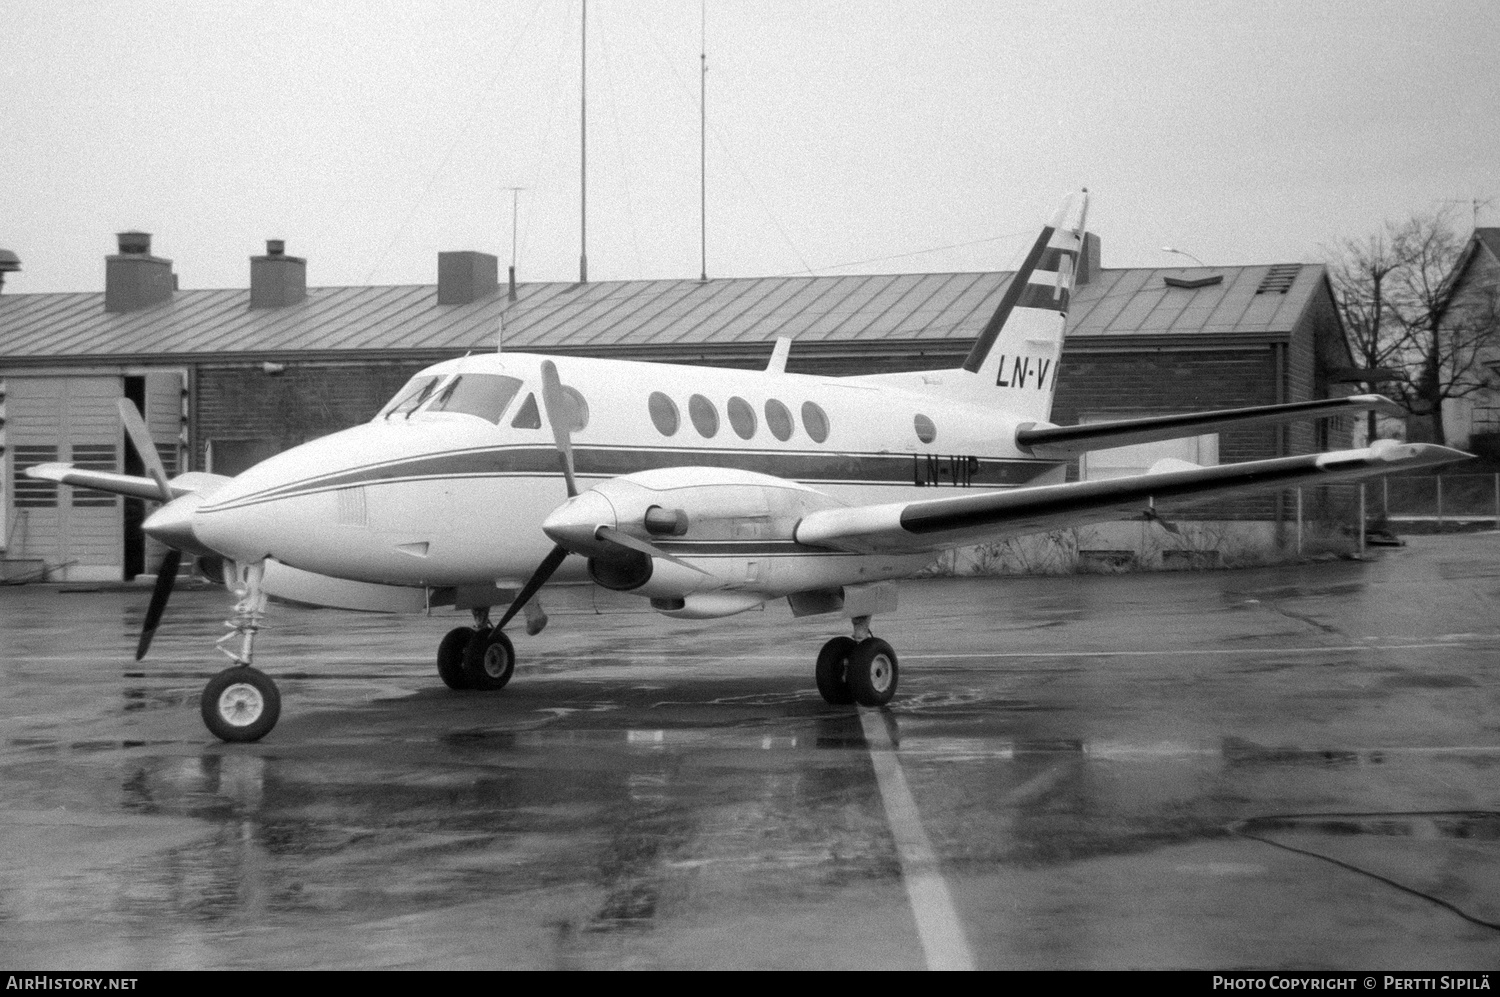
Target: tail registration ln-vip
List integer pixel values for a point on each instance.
(706, 492)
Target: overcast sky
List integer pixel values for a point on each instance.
(844, 137)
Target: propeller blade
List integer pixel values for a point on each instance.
(534, 583)
(166, 577)
(555, 401)
(140, 436)
(614, 536)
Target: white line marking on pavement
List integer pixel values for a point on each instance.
(943, 941)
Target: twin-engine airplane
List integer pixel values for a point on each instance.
(706, 491)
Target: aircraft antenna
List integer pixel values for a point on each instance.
(515, 193)
(583, 149)
(703, 137)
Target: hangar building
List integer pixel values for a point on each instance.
(228, 377)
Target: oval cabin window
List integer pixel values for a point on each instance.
(664, 415)
(926, 431)
(815, 421)
(778, 420)
(705, 417)
(741, 418)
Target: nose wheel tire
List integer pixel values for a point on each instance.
(489, 660)
(450, 657)
(240, 704)
(872, 672)
(832, 666)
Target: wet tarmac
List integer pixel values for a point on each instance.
(1277, 768)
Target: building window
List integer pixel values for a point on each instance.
(926, 431)
(815, 421)
(779, 420)
(33, 493)
(705, 417)
(93, 457)
(664, 414)
(741, 418)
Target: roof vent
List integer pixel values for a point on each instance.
(9, 263)
(1193, 283)
(1279, 278)
(134, 278)
(276, 279)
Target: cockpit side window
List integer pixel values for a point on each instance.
(527, 416)
(484, 395)
(414, 393)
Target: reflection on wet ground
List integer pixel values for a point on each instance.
(1273, 768)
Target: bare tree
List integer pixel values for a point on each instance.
(1442, 346)
(1395, 293)
(1358, 270)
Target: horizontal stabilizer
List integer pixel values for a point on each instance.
(191, 483)
(1066, 441)
(937, 524)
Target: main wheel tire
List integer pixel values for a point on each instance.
(833, 660)
(450, 657)
(240, 704)
(872, 672)
(493, 665)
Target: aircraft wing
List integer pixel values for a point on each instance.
(940, 523)
(1065, 441)
(193, 482)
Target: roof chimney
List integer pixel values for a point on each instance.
(276, 279)
(134, 278)
(466, 276)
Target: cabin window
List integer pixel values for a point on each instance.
(741, 418)
(527, 416)
(484, 395)
(926, 431)
(815, 421)
(779, 420)
(664, 413)
(414, 393)
(705, 417)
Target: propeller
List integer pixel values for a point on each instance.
(166, 575)
(555, 402)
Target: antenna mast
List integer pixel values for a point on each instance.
(703, 138)
(583, 146)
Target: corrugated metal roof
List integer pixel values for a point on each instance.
(652, 313)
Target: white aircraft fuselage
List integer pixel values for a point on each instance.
(433, 497)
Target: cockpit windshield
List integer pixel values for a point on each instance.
(484, 395)
(413, 394)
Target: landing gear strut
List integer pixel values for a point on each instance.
(860, 669)
(241, 703)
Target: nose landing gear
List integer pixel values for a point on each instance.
(242, 703)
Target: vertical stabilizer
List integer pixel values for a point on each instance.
(1014, 361)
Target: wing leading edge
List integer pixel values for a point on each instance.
(191, 483)
(1067, 441)
(937, 524)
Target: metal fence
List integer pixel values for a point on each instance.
(1441, 498)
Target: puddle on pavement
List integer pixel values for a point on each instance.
(1479, 825)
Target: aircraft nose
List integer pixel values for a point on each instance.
(572, 524)
(172, 524)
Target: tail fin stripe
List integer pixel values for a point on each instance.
(1018, 283)
(1048, 296)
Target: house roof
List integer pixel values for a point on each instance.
(611, 316)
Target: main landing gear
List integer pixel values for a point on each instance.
(241, 703)
(860, 669)
(478, 657)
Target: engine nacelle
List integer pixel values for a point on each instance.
(724, 521)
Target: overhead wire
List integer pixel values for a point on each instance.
(453, 145)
